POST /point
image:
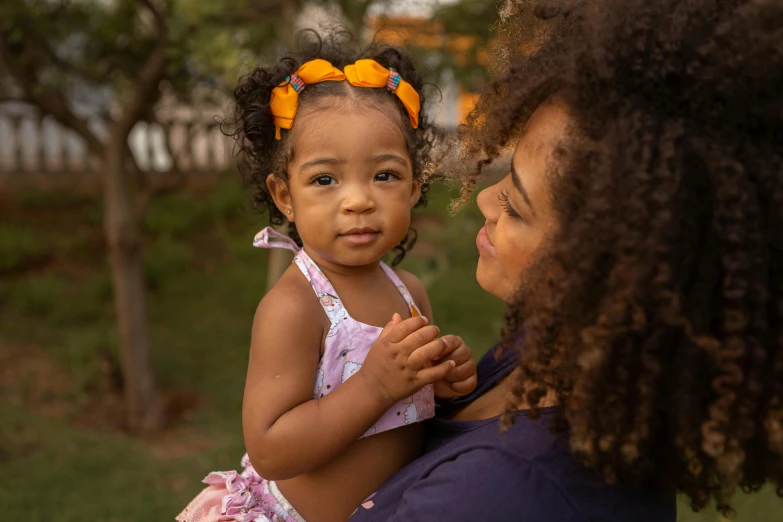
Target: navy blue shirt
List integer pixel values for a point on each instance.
(471, 472)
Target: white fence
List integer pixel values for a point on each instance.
(30, 144)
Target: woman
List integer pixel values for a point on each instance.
(638, 240)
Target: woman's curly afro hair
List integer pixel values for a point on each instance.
(260, 154)
(658, 323)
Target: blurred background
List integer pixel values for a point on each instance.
(127, 278)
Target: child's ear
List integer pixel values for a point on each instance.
(281, 196)
(415, 192)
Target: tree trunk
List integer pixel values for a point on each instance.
(124, 251)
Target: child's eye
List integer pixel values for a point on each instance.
(385, 176)
(324, 180)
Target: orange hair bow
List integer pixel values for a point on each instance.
(285, 97)
(364, 73)
(369, 73)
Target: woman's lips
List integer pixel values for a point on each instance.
(360, 236)
(485, 246)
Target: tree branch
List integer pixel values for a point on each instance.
(48, 101)
(96, 76)
(150, 75)
(42, 50)
(10, 99)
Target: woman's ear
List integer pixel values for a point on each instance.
(278, 188)
(415, 192)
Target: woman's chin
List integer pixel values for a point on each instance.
(491, 282)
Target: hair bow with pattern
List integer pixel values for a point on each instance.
(369, 73)
(285, 97)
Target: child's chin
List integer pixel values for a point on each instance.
(359, 258)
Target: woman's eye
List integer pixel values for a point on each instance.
(385, 176)
(507, 208)
(324, 180)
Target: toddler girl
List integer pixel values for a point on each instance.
(335, 391)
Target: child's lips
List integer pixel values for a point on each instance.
(360, 236)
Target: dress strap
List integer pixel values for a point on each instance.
(392, 275)
(271, 238)
(324, 291)
(318, 280)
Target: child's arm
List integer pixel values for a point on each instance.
(462, 379)
(287, 433)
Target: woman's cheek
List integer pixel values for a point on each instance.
(515, 259)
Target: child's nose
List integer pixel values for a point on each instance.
(358, 199)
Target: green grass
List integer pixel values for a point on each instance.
(19, 247)
(204, 281)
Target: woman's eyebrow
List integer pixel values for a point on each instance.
(520, 187)
(320, 161)
(380, 158)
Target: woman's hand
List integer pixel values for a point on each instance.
(398, 364)
(461, 379)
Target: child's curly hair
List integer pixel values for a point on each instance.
(260, 154)
(659, 324)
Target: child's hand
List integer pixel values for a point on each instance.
(461, 379)
(398, 364)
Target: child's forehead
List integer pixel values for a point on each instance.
(352, 129)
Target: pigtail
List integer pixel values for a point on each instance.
(258, 153)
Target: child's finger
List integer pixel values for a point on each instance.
(452, 342)
(465, 386)
(432, 374)
(421, 357)
(419, 338)
(395, 320)
(402, 329)
(462, 372)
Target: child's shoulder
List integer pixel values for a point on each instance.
(414, 285)
(290, 300)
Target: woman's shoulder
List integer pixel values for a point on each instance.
(526, 473)
(483, 482)
(524, 442)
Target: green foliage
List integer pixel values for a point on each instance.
(87, 43)
(35, 296)
(57, 300)
(178, 215)
(18, 246)
(83, 354)
(35, 200)
(469, 17)
(93, 51)
(476, 19)
(165, 257)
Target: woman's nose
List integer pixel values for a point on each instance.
(358, 199)
(488, 203)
